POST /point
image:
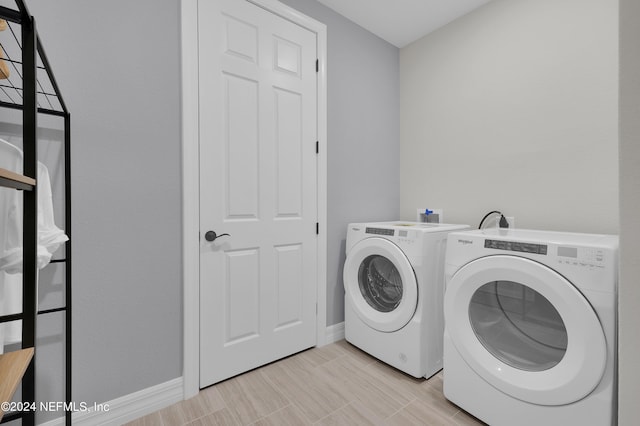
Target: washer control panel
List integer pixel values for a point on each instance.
(402, 236)
(379, 231)
(516, 246)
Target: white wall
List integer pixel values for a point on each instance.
(629, 290)
(514, 107)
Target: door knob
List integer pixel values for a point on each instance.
(212, 236)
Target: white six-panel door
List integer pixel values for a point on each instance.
(258, 183)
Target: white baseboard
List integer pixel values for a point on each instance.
(129, 407)
(334, 333)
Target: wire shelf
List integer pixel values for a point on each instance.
(49, 100)
(27, 84)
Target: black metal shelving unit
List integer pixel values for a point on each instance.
(34, 94)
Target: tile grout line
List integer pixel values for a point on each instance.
(401, 408)
(331, 413)
(291, 402)
(455, 414)
(410, 391)
(302, 411)
(272, 413)
(226, 406)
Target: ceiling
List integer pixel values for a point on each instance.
(401, 22)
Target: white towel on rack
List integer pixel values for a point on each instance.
(11, 303)
(10, 205)
(50, 237)
(10, 232)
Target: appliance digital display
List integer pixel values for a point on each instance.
(516, 246)
(379, 231)
(568, 252)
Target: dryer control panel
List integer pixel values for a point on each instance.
(516, 246)
(581, 256)
(568, 255)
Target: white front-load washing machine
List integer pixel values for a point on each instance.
(530, 326)
(394, 286)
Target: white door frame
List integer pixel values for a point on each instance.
(191, 184)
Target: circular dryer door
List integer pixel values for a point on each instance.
(525, 329)
(380, 284)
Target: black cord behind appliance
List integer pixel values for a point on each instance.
(504, 223)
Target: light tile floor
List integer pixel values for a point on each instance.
(337, 384)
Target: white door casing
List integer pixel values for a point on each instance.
(285, 253)
(257, 76)
(582, 366)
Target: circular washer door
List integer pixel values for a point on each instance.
(525, 329)
(380, 284)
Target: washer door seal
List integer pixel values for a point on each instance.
(572, 376)
(380, 284)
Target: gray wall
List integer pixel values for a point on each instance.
(117, 64)
(629, 286)
(363, 136)
(514, 107)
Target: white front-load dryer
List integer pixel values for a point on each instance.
(394, 286)
(530, 326)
